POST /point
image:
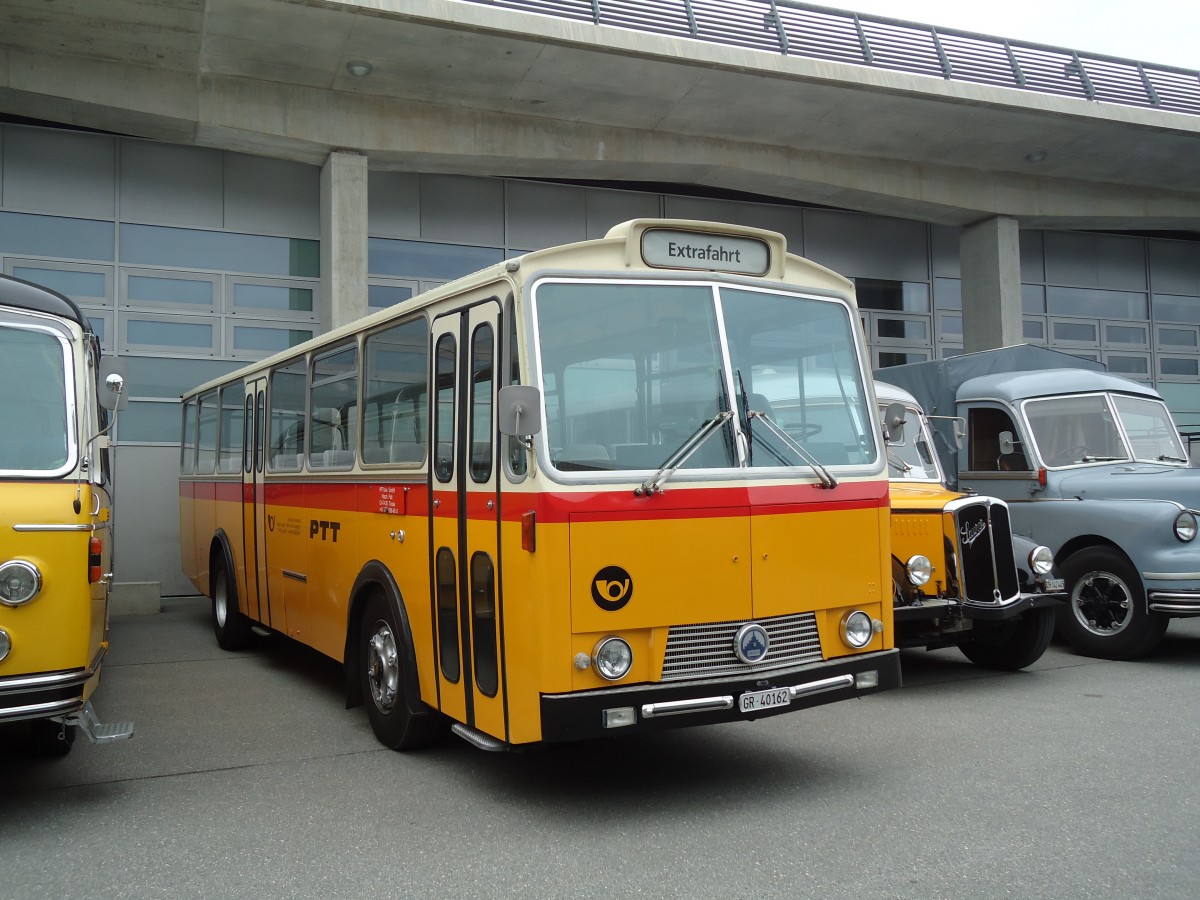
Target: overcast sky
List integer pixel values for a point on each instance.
(1166, 32)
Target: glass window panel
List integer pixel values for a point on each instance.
(1125, 334)
(1033, 298)
(904, 329)
(896, 296)
(219, 250)
(1169, 365)
(1063, 301)
(1151, 432)
(1177, 309)
(380, 296)
(951, 324)
(153, 289)
(899, 358)
(1178, 337)
(1074, 331)
(165, 378)
(1079, 429)
(333, 411)
(444, 415)
(397, 390)
(286, 435)
(22, 234)
(149, 422)
(233, 428)
(260, 339)
(947, 293)
(1127, 365)
(206, 445)
(482, 349)
(418, 259)
(168, 334)
(447, 614)
(483, 621)
(76, 285)
(187, 442)
(517, 457)
(34, 406)
(1033, 329)
(272, 296)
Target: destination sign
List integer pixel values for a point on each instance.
(668, 248)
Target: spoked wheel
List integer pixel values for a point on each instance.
(231, 628)
(1106, 614)
(384, 686)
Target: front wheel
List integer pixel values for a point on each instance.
(1106, 614)
(381, 660)
(1009, 646)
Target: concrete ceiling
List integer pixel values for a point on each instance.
(464, 87)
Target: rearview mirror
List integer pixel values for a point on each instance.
(893, 421)
(111, 388)
(519, 410)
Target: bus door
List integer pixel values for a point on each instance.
(465, 517)
(253, 575)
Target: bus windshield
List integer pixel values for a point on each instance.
(631, 371)
(33, 370)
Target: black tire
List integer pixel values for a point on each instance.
(232, 629)
(1106, 614)
(1009, 646)
(382, 656)
(48, 738)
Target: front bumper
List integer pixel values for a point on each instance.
(655, 707)
(42, 695)
(941, 607)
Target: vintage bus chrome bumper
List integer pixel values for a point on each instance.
(45, 694)
(646, 707)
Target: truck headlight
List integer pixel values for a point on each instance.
(919, 570)
(1185, 526)
(1041, 560)
(20, 582)
(612, 658)
(857, 629)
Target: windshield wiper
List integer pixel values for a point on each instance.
(827, 479)
(1167, 457)
(1087, 457)
(898, 463)
(690, 445)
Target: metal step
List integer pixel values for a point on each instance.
(98, 732)
(260, 630)
(478, 738)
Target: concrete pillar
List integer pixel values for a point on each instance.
(344, 237)
(990, 259)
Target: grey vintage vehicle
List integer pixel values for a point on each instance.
(1092, 466)
(960, 576)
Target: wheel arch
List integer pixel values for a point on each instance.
(220, 551)
(375, 577)
(1088, 542)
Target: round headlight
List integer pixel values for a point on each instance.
(1185, 526)
(919, 570)
(612, 658)
(1041, 560)
(20, 582)
(857, 629)
(5, 644)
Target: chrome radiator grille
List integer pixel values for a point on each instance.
(985, 551)
(702, 651)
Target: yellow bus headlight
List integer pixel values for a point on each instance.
(612, 658)
(20, 582)
(919, 570)
(5, 644)
(857, 629)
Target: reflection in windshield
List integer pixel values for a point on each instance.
(909, 452)
(1150, 430)
(631, 370)
(33, 370)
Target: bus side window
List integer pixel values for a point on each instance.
(395, 367)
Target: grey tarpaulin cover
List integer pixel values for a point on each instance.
(935, 384)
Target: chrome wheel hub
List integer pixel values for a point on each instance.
(1102, 603)
(383, 667)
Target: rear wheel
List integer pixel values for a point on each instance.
(231, 628)
(1009, 646)
(381, 659)
(1106, 614)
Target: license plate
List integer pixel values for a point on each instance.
(759, 700)
(1056, 584)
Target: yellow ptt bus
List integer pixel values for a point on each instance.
(55, 516)
(576, 494)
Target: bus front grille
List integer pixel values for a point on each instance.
(706, 650)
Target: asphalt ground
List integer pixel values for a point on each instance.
(247, 777)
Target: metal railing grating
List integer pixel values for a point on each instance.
(817, 32)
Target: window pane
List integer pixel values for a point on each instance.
(444, 414)
(76, 285)
(380, 296)
(1171, 366)
(1125, 334)
(287, 416)
(168, 334)
(897, 296)
(1071, 430)
(1033, 298)
(1128, 365)
(219, 250)
(481, 404)
(268, 340)
(22, 234)
(947, 293)
(270, 296)
(1098, 304)
(1177, 337)
(206, 447)
(333, 412)
(417, 259)
(1074, 331)
(233, 426)
(1177, 309)
(899, 358)
(1033, 330)
(150, 289)
(394, 421)
(904, 329)
(33, 404)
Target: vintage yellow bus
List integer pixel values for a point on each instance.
(551, 500)
(55, 516)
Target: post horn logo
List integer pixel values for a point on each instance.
(612, 588)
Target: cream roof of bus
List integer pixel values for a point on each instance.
(594, 254)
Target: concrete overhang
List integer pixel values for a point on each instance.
(467, 88)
